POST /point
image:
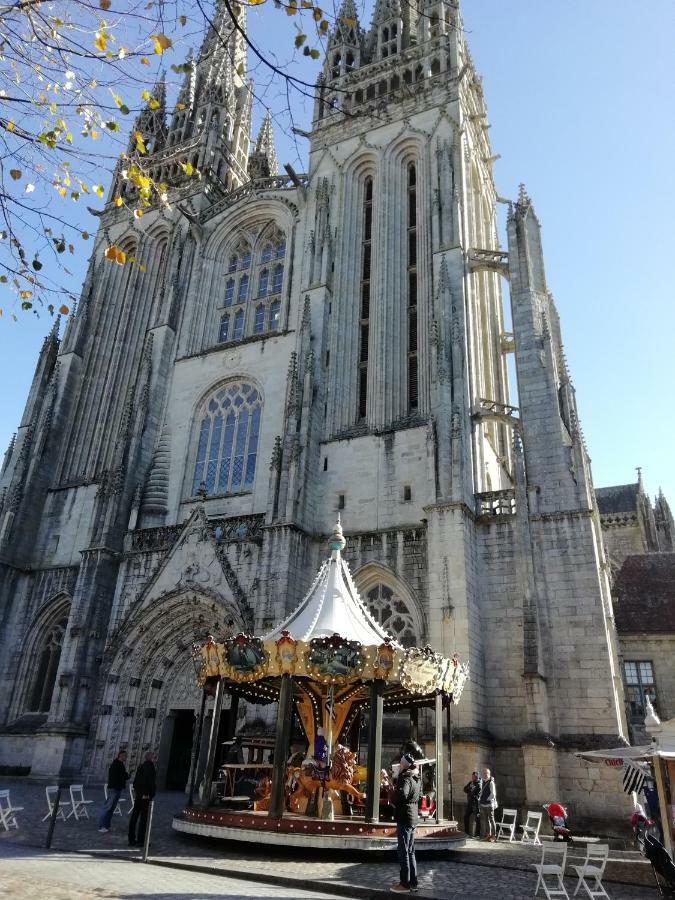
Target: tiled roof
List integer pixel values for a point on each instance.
(644, 592)
(618, 498)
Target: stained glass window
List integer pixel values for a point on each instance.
(229, 292)
(278, 279)
(259, 325)
(224, 328)
(392, 614)
(228, 440)
(263, 282)
(275, 311)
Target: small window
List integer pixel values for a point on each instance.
(275, 310)
(639, 679)
(281, 249)
(232, 265)
(325, 463)
(327, 358)
(224, 328)
(238, 325)
(229, 292)
(278, 279)
(267, 253)
(407, 493)
(341, 501)
(263, 282)
(246, 259)
(242, 294)
(259, 325)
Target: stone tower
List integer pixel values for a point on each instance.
(347, 325)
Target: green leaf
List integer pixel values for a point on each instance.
(314, 54)
(300, 39)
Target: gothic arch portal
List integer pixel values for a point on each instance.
(391, 603)
(147, 672)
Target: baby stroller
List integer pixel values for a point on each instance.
(662, 866)
(557, 815)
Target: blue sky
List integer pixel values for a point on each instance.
(580, 100)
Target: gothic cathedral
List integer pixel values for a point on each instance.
(294, 346)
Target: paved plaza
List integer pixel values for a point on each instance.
(482, 872)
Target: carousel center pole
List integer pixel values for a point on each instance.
(374, 751)
(282, 740)
(196, 750)
(213, 743)
(440, 758)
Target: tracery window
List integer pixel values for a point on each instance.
(228, 440)
(48, 656)
(256, 272)
(392, 614)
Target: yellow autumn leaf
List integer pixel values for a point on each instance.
(15, 173)
(138, 213)
(10, 126)
(104, 4)
(62, 191)
(145, 61)
(140, 145)
(180, 106)
(160, 43)
(64, 310)
(25, 294)
(98, 189)
(101, 41)
(114, 254)
(118, 201)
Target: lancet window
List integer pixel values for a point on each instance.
(413, 392)
(364, 300)
(227, 446)
(47, 663)
(253, 273)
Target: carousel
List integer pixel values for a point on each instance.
(329, 667)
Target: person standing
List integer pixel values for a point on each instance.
(488, 805)
(145, 784)
(407, 794)
(473, 790)
(117, 781)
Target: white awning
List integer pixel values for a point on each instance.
(619, 754)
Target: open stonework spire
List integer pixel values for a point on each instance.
(263, 160)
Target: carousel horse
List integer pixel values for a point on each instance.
(337, 777)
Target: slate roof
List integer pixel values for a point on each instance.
(617, 499)
(644, 592)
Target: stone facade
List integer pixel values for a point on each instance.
(295, 346)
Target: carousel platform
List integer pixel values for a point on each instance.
(344, 833)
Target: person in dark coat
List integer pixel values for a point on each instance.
(407, 794)
(145, 786)
(117, 781)
(472, 791)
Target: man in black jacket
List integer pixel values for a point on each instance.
(117, 781)
(145, 785)
(406, 811)
(472, 791)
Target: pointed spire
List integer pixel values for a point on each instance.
(347, 30)
(151, 120)
(263, 160)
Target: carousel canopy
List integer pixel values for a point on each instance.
(332, 606)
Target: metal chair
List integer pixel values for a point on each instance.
(553, 859)
(506, 829)
(531, 828)
(78, 802)
(118, 806)
(8, 812)
(592, 870)
(51, 793)
(132, 799)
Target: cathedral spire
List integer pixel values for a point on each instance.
(263, 160)
(150, 122)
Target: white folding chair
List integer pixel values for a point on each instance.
(506, 829)
(132, 799)
(118, 807)
(51, 792)
(8, 812)
(531, 828)
(553, 859)
(78, 802)
(592, 870)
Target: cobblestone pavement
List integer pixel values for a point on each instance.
(36, 875)
(483, 872)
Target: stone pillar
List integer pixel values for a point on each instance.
(441, 774)
(374, 752)
(196, 747)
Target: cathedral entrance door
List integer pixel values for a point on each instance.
(180, 752)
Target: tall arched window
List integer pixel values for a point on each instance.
(364, 326)
(392, 614)
(46, 666)
(413, 392)
(224, 328)
(228, 440)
